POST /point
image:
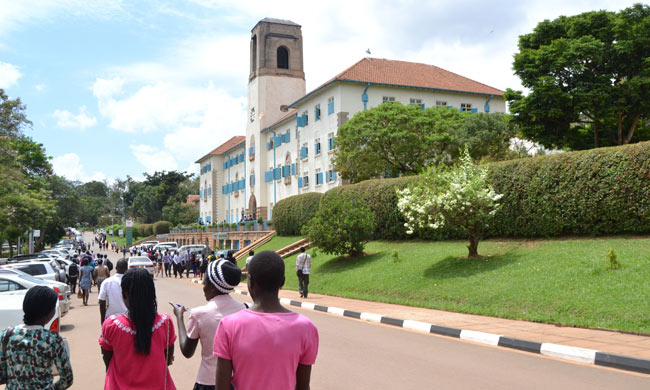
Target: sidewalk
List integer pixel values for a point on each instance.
(597, 342)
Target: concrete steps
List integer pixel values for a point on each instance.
(293, 248)
(240, 254)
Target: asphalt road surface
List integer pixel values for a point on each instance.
(360, 355)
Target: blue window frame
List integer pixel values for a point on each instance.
(317, 112)
(286, 170)
(317, 148)
(277, 174)
(330, 106)
(319, 178)
(304, 153)
(300, 182)
(330, 143)
(268, 176)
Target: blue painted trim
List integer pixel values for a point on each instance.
(486, 107)
(364, 97)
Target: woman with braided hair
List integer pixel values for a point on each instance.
(220, 279)
(137, 347)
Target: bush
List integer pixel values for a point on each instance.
(147, 230)
(342, 226)
(592, 192)
(292, 213)
(161, 227)
(138, 230)
(380, 196)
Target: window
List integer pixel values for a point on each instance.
(317, 112)
(330, 142)
(465, 107)
(317, 147)
(417, 102)
(441, 103)
(330, 106)
(319, 177)
(283, 57)
(8, 285)
(388, 99)
(330, 176)
(304, 151)
(305, 179)
(305, 118)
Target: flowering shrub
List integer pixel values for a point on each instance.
(459, 196)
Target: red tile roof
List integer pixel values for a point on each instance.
(226, 146)
(193, 199)
(409, 74)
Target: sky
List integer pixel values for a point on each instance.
(117, 87)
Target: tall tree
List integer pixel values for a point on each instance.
(589, 79)
(393, 139)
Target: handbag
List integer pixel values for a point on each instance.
(80, 294)
(3, 361)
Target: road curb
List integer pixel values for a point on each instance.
(582, 355)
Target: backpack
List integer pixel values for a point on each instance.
(73, 270)
(109, 264)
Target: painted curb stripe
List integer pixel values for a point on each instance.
(571, 353)
(480, 337)
(522, 345)
(371, 317)
(556, 350)
(417, 325)
(445, 331)
(391, 321)
(623, 362)
(350, 313)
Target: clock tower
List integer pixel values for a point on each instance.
(276, 78)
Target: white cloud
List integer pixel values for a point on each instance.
(40, 87)
(69, 166)
(154, 159)
(66, 119)
(9, 75)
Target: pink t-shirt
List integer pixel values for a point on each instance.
(131, 371)
(266, 348)
(202, 325)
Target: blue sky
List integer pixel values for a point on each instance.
(117, 88)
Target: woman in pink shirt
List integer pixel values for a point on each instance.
(220, 279)
(267, 346)
(138, 347)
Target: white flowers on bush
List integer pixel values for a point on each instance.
(459, 196)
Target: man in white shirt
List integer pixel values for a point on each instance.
(177, 265)
(303, 267)
(111, 293)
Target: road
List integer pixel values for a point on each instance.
(360, 355)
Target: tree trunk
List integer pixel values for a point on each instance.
(632, 129)
(473, 246)
(619, 123)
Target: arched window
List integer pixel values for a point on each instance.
(254, 54)
(283, 58)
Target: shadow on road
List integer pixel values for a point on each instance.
(66, 327)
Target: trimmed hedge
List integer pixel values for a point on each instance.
(379, 195)
(147, 229)
(290, 214)
(161, 227)
(592, 192)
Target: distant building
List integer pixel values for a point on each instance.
(289, 138)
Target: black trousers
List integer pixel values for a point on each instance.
(168, 269)
(303, 283)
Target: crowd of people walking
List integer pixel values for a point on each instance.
(262, 346)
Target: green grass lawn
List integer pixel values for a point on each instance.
(563, 281)
(278, 243)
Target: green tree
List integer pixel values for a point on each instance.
(458, 196)
(487, 136)
(589, 80)
(178, 213)
(342, 226)
(393, 139)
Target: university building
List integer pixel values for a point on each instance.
(289, 141)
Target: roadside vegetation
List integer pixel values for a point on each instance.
(566, 281)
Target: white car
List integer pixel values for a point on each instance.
(42, 269)
(148, 245)
(59, 252)
(164, 246)
(13, 281)
(11, 312)
(141, 262)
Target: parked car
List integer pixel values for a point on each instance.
(141, 262)
(148, 245)
(60, 252)
(14, 280)
(163, 246)
(42, 269)
(32, 256)
(11, 311)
